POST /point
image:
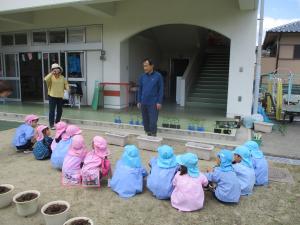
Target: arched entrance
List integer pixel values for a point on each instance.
(181, 51)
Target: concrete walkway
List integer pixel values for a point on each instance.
(287, 146)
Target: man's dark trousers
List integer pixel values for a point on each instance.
(150, 117)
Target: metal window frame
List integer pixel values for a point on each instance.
(83, 66)
(13, 36)
(57, 29)
(74, 28)
(17, 79)
(27, 36)
(38, 43)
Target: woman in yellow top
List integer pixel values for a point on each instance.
(56, 84)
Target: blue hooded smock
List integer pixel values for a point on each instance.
(260, 164)
(228, 187)
(244, 170)
(59, 153)
(23, 134)
(128, 175)
(163, 170)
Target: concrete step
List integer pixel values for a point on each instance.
(214, 71)
(217, 64)
(238, 137)
(209, 82)
(206, 105)
(209, 95)
(208, 90)
(225, 67)
(207, 100)
(217, 57)
(211, 85)
(213, 78)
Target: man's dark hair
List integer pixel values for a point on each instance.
(4, 86)
(149, 61)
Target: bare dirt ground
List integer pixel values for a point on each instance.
(278, 203)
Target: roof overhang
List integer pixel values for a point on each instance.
(248, 4)
(16, 6)
(270, 38)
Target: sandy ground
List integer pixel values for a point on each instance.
(277, 204)
(283, 145)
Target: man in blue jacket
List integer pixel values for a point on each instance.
(151, 89)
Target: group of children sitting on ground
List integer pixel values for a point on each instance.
(171, 177)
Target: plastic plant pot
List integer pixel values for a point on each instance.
(72, 220)
(27, 207)
(56, 215)
(6, 194)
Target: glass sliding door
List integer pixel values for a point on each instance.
(9, 71)
(76, 73)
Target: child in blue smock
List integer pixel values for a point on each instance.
(129, 173)
(25, 134)
(62, 147)
(163, 170)
(259, 163)
(228, 189)
(244, 170)
(42, 148)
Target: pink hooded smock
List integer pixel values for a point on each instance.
(60, 129)
(72, 163)
(188, 194)
(40, 135)
(30, 118)
(96, 163)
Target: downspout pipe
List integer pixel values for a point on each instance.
(258, 59)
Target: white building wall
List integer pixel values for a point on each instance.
(94, 72)
(226, 19)
(135, 16)
(141, 48)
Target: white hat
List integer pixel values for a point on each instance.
(56, 66)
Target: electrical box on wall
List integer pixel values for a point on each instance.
(102, 56)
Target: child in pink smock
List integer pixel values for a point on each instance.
(188, 194)
(71, 170)
(60, 130)
(96, 164)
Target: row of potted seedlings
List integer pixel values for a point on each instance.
(137, 121)
(27, 202)
(171, 123)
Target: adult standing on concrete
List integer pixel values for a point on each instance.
(150, 96)
(56, 84)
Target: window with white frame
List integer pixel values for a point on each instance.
(57, 36)
(21, 39)
(11, 65)
(1, 67)
(75, 62)
(76, 35)
(15, 85)
(39, 37)
(7, 39)
(93, 33)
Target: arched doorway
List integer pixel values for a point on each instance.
(173, 49)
